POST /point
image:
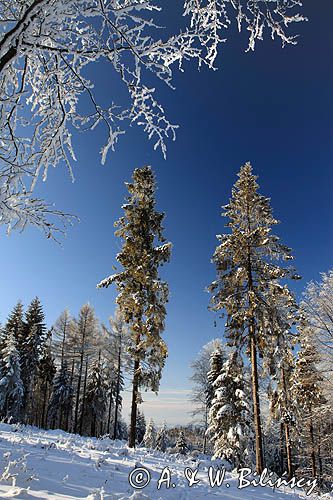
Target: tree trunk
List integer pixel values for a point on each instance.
(256, 403)
(78, 390)
(287, 431)
(117, 394)
(84, 395)
(110, 410)
(68, 410)
(134, 406)
(313, 453)
(43, 423)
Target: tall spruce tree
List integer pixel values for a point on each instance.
(142, 294)
(61, 401)
(307, 391)
(248, 263)
(230, 418)
(31, 349)
(11, 386)
(216, 362)
(42, 391)
(94, 405)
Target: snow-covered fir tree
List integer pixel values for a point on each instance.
(249, 269)
(308, 392)
(11, 386)
(31, 348)
(201, 386)
(94, 404)
(140, 427)
(149, 439)
(141, 293)
(43, 385)
(162, 438)
(61, 401)
(230, 428)
(217, 359)
(181, 444)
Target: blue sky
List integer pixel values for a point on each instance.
(272, 107)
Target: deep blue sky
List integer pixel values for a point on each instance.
(273, 107)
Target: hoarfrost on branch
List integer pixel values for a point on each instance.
(45, 48)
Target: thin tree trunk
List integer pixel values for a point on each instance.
(313, 453)
(68, 411)
(84, 396)
(134, 405)
(117, 394)
(281, 450)
(78, 390)
(43, 425)
(110, 410)
(204, 446)
(287, 432)
(256, 403)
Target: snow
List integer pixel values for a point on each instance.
(54, 464)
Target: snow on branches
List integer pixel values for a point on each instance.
(45, 48)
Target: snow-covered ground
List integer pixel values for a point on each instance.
(56, 465)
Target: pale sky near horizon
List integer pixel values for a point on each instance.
(273, 107)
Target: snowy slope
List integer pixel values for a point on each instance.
(56, 465)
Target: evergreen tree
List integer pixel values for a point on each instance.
(181, 444)
(149, 438)
(230, 416)
(248, 263)
(142, 295)
(201, 392)
(94, 405)
(140, 427)
(307, 391)
(162, 438)
(61, 401)
(15, 324)
(45, 374)
(11, 387)
(216, 362)
(31, 348)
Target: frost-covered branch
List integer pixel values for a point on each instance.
(47, 45)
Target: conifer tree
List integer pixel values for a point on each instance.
(230, 414)
(42, 391)
(216, 362)
(140, 427)
(162, 438)
(307, 391)
(94, 406)
(31, 348)
(248, 263)
(201, 392)
(15, 324)
(149, 439)
(11, 387)
(142, 294)
(61, 401)
(181, 444)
